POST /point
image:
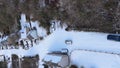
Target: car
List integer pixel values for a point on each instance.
(115, 37)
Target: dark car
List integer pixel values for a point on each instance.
(115, 37)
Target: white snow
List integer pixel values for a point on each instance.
(1, 58)
(33, 33)
(95, 60)
(3, 39)
(40, 30)
(23, 32)
(52, 58)
(55, 24)
(80, 40)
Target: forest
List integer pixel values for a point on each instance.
(86, 15)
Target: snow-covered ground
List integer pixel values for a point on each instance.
(95, 60)
(3, 39)
(80, 40)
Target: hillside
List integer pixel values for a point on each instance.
(87, 15)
